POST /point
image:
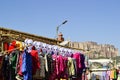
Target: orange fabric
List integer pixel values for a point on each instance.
(112, 74)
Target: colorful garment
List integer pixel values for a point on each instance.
(19, 64)
(40, 73)
(78, 59)
(71, 68)
(12, 46)
(12, 63)
(111, 74)
(35, 60)
(27, 66)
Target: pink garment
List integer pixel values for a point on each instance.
(54, 74)
(59, 67)
(84, 77)
(61, 60)
(64, 73)
(55, 58)
(108, 72)
(108, 75)
(77, 57)
(59, 64)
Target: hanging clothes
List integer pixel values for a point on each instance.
(13, 60)
(50, 64)
(82, 61)
(27, 65)
(9, 65)
(35, 60)
(71, 68)
(12, 46)
(19, 65)
(108, 75)
(6, 46)
(40, 73)
(53, 76)
(5, 67)
(78, 63)
(113, 74)
(1, 62)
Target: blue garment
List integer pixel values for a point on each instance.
(27, 66)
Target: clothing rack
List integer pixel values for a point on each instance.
(24, 47)
(6, 51)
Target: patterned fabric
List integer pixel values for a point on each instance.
(71, 68)
(19, 64)
(40, 73)
(53, 76)
(59, 67)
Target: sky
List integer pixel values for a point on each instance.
(88, 20)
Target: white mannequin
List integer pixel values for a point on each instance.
(38, 46)
(29, 44)
(55, 49)
(44, 48)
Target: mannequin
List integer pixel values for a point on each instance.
(29, 45)
(49, 50)
(44, 48)
(56, 50)
(38, 46)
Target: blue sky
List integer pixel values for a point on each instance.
(88, 20)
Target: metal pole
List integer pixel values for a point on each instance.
(57, 28)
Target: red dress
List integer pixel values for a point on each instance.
(35, 60)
